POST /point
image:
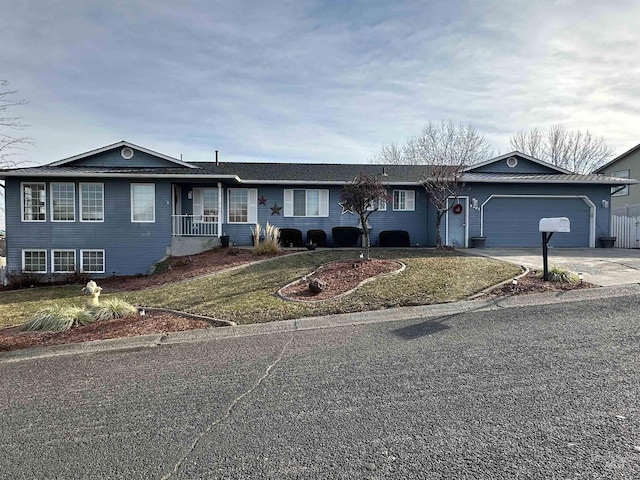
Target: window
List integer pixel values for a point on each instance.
(381, 203)
(34, 261)
(63, 202)
(243, 205)
(306, 203)
(404, 200)
(619, 190)
(92, 202)
(33, 202)
(63, 261)
(205, 205)
(92, 261)
(143, 202)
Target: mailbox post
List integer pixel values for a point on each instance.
(548, 226)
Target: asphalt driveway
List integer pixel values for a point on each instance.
(600, 266)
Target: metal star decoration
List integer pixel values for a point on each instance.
(345, 210)
(275, 210)
(262, 200)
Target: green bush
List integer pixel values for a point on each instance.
(560, 275)
(162, 266)
(56, 318)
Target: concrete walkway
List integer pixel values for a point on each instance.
(600, 266)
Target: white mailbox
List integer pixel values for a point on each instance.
(555, 224)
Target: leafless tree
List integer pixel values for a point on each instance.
(363, 196)
(10, 143)
(446, 149)
(573, 150)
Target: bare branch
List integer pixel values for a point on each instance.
(577, 151)
(447, 149)
(10, 145)
(361, 196)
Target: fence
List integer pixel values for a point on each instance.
(626, 230)
(194, 225)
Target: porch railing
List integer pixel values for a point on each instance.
(194, 225)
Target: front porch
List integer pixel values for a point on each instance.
(188, 225)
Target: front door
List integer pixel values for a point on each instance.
(457, 218)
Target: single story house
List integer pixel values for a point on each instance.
(119, 209)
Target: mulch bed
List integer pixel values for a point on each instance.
(532, 283)
(340, 277)
(13, 338)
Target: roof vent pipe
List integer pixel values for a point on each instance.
(217, 163)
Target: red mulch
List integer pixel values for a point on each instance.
(13, 338)
(532, 283)
(340, 277)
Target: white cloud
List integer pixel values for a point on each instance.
(316, 81)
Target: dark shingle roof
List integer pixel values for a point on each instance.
(301, 173)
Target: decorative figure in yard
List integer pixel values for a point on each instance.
(92, 290)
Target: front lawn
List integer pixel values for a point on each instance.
(247, 295)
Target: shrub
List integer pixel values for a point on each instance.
(345, 236)
(290, 237)
(110, 309)
(560, 275)
(57, 318)
(162, 266)
(394, 238)
(271, 242)
(25, 279)
(319, 237)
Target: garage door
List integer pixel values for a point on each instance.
(513, 221)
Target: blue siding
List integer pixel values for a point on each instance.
(524, 166)
(414, 222)
(130, 248)
(516, 213)
(112, 158)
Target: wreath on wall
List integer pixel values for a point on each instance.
(457, 208)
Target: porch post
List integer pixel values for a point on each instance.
(220, 213)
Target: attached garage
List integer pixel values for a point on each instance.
(512, 220)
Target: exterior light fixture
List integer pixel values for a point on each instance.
(514, 282)
(580, 277)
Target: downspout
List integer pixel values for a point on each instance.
(220, 209)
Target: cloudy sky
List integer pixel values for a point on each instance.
(311, 80)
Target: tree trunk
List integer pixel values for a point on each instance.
(439, 216)
(365, 236)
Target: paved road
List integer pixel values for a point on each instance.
(540, 391)
(600, 266)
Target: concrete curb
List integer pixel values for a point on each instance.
(314, 323)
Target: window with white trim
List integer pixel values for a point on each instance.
(92, 261)
(34, 261)
(143, 202)
(620, 191)
(306, 203)
(381, 203)
(205, 205)
(63, 202)
(92, 202)
(404, 200)
(242, 205)
(63, 261)
(34, 197)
